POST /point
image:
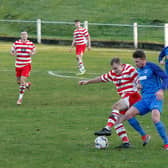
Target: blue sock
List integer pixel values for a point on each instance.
(135, 124)
(162, 131)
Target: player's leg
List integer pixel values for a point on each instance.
(136, 125)
(28, 85)
(121, 105)
(22, 88)
(79, 56)
(160, 127)
(24, 75)
(134, 98)
(122, 133)
(18, 80)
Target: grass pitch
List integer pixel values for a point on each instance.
(54, 126)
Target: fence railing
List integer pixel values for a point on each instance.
(99, 31)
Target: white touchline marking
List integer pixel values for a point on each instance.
(56, 73)
(6, 70)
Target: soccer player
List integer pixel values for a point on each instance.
(23, 49)
(153, 81)
(80, 39)
(164, 53)
(125, 78)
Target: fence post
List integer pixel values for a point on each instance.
(86, 24)
(39, 31)
(166, 35)
(135, 34)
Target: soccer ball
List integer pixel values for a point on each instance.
(101, 142)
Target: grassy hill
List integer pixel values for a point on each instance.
(107, 11)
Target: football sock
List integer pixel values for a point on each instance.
(162, 131)
(121, 132)
(27, 84)
(112, 119)
(135, 124)
(21, 90)
(81, 65)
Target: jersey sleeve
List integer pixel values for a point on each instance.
(33, 48)
(159, 72)
(107, 77)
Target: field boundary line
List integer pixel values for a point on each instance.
(57, 74)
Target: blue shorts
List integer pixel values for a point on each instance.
(146, 105)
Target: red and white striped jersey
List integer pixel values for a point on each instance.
(80, 36)
(125, 82)
(23, 50)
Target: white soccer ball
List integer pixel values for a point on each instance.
(101, 142)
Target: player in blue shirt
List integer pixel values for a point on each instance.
(153, 82)
(164, 53)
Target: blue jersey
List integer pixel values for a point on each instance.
(152, 78)
(162, 54)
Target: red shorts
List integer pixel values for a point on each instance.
(24, 71)
(132, 98)
(80, 49)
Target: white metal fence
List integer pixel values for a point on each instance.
(99, 31)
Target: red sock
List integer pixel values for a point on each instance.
(122, 133)
(113, 118)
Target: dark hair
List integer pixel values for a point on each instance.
(115, 60)
(139, 54)
(76, 21)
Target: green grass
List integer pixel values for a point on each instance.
(55, 124)
(116, 11)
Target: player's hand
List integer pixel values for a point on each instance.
(83, 82)
(160, 94)
(13, 53)
(162, 62)
(31, 53)
(139, 86)
(70, 50)
(89, 48)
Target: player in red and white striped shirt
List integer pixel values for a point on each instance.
(125, 78)
(80, 39)
(23, 49)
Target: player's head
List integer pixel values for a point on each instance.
(139, 58)
(116, 65)
(77, 23)
(24, 35)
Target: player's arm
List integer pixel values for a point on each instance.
(89, 42)
(94, 80)
(135, 79)
(164, 85)
(73, 44)
(33, 52)
(161, 56)
(87, 36)
(13, 51)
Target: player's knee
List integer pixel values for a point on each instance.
(155, 119)
(23, 81)
(115, 106)
(155, 116)
(18, 82)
